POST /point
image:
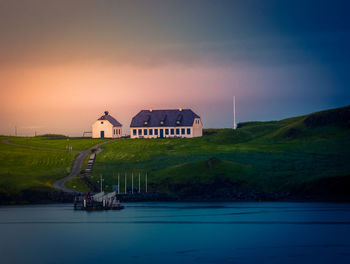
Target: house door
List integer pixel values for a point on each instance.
(161, 133)
(102, 135)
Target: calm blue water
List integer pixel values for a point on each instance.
(177, 233)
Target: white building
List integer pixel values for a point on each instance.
(106, 127)
(166, 123)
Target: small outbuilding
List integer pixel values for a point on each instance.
(107, 127)
(166, 123)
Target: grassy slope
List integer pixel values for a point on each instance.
(288, 155)
(76, 183)
(35, 163)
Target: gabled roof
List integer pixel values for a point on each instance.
(110, 118)
(166, 118)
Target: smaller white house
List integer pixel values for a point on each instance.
(107, 127)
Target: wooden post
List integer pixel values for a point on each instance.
(139, 183)
(118, 184)
(125, 182)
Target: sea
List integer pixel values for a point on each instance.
(172, 232)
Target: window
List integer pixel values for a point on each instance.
(167, 131)
(101, 122)
(151, 132)
(145, 131)
(172, 131)
(177, 131)
(140, 132)
(156, 132)
(134, 132)
(119, 131)
(182, 131)
(188, 131)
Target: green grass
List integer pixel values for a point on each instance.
(37, 162)
(54, 142)
(77, 183)
(264, 156)
(25, 168)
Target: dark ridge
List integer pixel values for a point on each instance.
(53, 136)
(340, 116)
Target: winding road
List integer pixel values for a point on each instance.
(77, 166)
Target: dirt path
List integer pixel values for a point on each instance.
(77, 166)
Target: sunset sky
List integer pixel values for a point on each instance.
(63, 63)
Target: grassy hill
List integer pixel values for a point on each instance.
(305, 155)
(31, 164)
(302, 155)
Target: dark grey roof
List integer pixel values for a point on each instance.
(110, 118)
(170, 118)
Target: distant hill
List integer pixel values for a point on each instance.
(52, 136)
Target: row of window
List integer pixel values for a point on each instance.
(196, 121)
(162, 131)
(116, 131)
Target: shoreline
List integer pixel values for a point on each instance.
(55, 197)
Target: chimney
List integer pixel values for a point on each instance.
(106, 112)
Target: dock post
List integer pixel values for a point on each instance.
(101, 182)
(139, 183)
(118, 184)
(146, 181)
(125, 183)
(132, 183)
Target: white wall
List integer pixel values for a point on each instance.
(197, 127)
(107, 127)
(196, 131)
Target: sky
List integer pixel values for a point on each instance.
(63, 63)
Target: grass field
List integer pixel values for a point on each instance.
(34, 163)
(290, 155)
